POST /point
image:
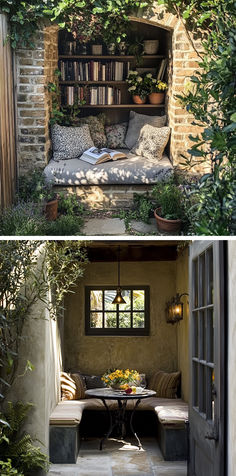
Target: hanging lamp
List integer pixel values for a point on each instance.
(118, 299)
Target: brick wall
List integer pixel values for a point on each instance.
(34, 69)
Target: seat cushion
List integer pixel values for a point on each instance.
(130, 171)
(67, 413)
(170, 411)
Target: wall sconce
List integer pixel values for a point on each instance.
(175, 309)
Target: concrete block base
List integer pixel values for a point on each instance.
(64, 442)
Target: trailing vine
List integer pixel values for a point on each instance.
(87, 19)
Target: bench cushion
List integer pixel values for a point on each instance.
(130, 171)
(170, 412)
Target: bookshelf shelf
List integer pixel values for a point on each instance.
(92, 82)
(120, 106)
(111, 57)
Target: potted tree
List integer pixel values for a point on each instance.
(170, 207)
(138, 86)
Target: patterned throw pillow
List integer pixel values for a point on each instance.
(80, 385)
(136, 123)
(97, 129)
(152, 141)
(70, 142)
(68, 387)
(165, 384)
(116, 135)
(94, 381)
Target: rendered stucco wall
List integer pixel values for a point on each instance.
(182, 286)
(94, 354)
(41, 346)
(231, 437)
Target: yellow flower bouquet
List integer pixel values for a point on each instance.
(121, 379)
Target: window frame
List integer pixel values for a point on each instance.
(144, 331)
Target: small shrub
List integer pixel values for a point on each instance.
(64, 225)
(69, 204)
(170, 198)
(22, 219)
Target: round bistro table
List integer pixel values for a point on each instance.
(119, 420)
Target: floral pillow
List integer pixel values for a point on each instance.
(97, 129)
(116, 134)
(152, 142)
(70, 142)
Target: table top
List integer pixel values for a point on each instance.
(111, 394)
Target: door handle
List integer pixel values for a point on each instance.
(212, 434)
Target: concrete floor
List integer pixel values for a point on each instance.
(120, 458)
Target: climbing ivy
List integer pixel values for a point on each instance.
(86, 19)
(212, 101)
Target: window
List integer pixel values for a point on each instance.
(104, 318)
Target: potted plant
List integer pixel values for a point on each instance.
(157, 91)
(51, 206)
(170, 207)
(138, 87)
(121, 379)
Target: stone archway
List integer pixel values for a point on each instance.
(35, 68)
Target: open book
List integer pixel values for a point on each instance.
(98, 156)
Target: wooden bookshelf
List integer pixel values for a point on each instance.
(114, 83)
(110, 57)
(120, 106)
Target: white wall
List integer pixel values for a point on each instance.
(231, 437)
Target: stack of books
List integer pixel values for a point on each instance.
(94, 70)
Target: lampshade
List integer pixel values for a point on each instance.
(118, 299)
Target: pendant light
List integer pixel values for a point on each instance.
(118, 299)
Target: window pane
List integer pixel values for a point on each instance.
(195, 384)
(138, 300)
(195, 284)
(110, 319)
(202, 281)
(210, 336)
(125, 319)
(96, 320)
(138, 319)
(126, 294)
(109, 296)
(195, 334)
(210, 264)
(95, 300)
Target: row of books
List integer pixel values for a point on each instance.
(94, 70)
(93, 96)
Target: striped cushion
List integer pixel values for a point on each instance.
(165, 384)
(68, 387)
(80, 385)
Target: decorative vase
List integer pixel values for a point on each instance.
(156, 98)
(122, 48)
(96, 50)
(111, 49)
(51, 209)
(167, 226)
(139, 100)
(83, 49)
(151, 47)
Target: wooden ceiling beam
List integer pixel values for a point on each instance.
(132, 253)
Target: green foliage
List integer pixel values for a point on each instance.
(170, 198)
(212, 101)
(64, 225)
(23, 282)
(17, 446)
(141, 209)
(24, 219)
(7, 469)
(65, 116)
(86, 19)
(34, 188)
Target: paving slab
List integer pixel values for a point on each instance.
(104, 226)
(120, 458)
(144, 228)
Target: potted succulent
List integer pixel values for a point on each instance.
(170, 207)
(157, 91)
(138, 86)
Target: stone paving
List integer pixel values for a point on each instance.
(120, 458)
(116, 226)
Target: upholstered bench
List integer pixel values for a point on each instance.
(65, 420)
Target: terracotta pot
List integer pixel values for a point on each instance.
(167, 226)
(156, 98)
(139, 100)
(51, 210)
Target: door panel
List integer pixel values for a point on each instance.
(207, 350)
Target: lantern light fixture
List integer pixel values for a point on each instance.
(118, 299)
(175, 309)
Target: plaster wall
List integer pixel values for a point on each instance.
(231, 437)
(41, 346)
(94, 354)
(182, 286)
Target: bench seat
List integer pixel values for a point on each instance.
(134, 170)
(171, 415)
